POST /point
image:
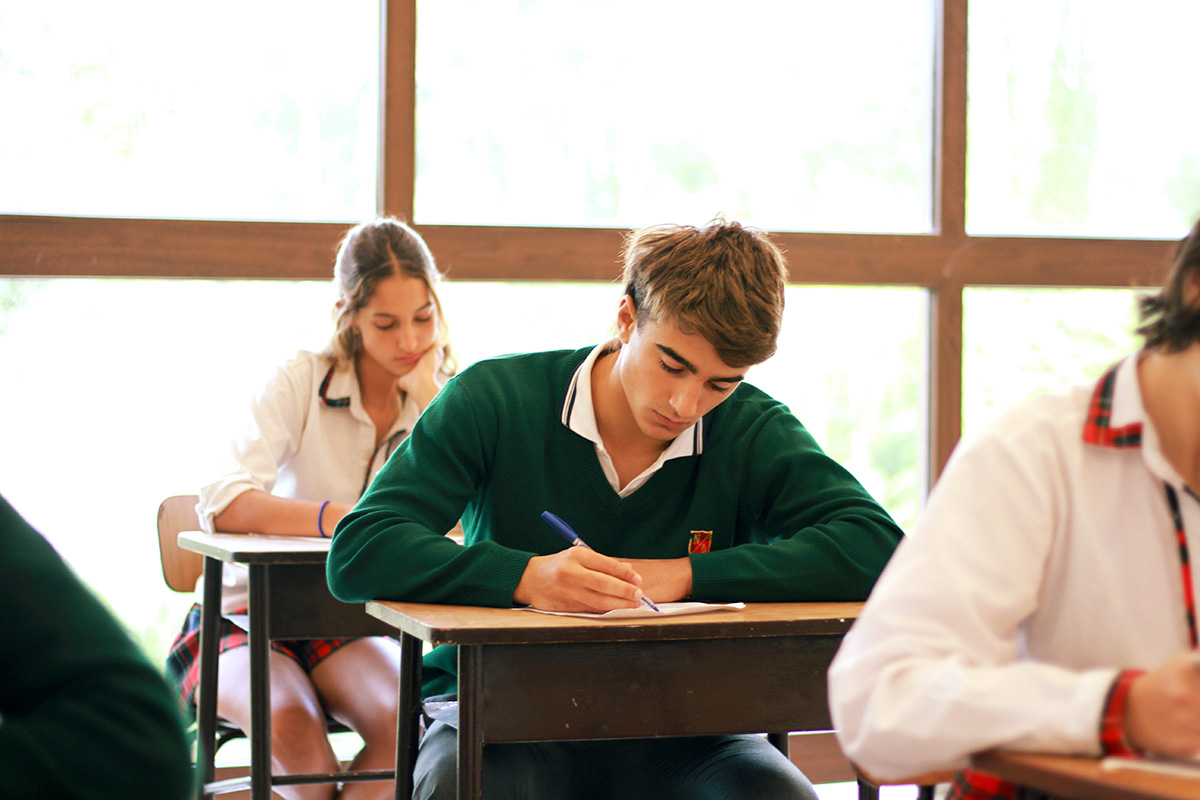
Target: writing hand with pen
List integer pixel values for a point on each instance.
(580, 579)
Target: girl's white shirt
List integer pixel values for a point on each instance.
(304, 443)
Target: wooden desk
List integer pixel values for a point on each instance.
(526, 677)
(289, 599)
(1084, 778)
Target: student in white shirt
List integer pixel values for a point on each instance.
(1044, 600)
(318, 432)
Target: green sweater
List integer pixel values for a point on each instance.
(83, 714)
(788, 523)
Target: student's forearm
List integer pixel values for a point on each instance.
(836, 561)
(380, 555)
(257, 511)
(664, 580)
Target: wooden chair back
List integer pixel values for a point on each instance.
(181, 568)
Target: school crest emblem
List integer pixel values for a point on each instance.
(701, 542)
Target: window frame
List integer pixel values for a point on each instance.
(943, 263)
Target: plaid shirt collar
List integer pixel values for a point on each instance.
(1117, 419)
(1106, 427)
(337, 387)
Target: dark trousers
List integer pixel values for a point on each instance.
(695, 768)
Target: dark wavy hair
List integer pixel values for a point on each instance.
(1170, 318)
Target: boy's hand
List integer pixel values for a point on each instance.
(578, 579)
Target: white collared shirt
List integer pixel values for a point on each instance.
(307, 436)
(579, 414)
(1042, 564)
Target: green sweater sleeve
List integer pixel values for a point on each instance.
(392, 546)
(808, 530)
(83, 714)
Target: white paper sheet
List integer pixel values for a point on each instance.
(665, 610)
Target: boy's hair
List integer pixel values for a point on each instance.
(724, 282)
(1170, 318)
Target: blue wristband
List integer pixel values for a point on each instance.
(320, 514)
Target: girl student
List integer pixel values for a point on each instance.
(319, 430)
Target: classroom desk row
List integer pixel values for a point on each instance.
(560, 677)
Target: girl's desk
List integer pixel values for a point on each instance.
(289, 599)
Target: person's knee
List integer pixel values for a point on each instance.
(358, 685)
(377, 729)
(752, 769)
(774, 783)
(725, 768)
(299, 735)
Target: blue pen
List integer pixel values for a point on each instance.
(573, 538)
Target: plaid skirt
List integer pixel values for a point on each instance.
(183, 660)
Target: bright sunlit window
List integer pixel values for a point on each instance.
(1080, 120)
(812, 115)
(1022, 342)
(230, 110)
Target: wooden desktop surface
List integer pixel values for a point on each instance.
(1085, 778)
(245, 548)
(446, 624)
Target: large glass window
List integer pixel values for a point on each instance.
(806, 115)
(851, 365)
(229, 110)
(1021, 342)
(121, 393)
(1080, 122)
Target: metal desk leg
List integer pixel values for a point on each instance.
(780, 741)
(260, 686)
(407, 732)
(470, 736)
(206, 691)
